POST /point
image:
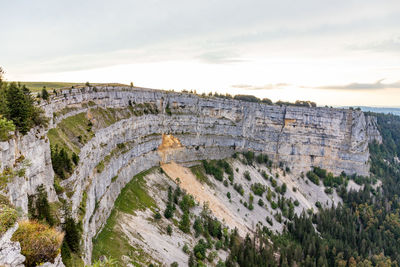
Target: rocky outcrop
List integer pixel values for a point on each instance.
(299, 137)
(10, 252)
(28, 157)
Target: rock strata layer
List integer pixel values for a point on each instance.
(206, 128)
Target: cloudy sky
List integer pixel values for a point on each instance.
(334, 52)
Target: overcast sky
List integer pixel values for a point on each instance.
(334, 52)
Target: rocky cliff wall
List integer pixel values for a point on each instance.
(300, 137)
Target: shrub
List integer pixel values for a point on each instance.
(39, 243)
(8, 216)
(239, 188)
(260, 202)
(258, 189)
(184, 224)
(283, 188)
(185, 249)
(157, 215)
(169, 230)
(249, 156)
(269, 220)
(246, 175)
(5, 128)
(313, 177)
(328, 190)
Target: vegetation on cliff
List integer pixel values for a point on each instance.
(363, 231)
(39, 242)
(17, 105)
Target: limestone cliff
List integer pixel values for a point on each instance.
(300, 137)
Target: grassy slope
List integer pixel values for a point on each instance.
(133, 196)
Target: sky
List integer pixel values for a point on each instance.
(333, 52)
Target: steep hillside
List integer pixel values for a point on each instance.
(140, 218)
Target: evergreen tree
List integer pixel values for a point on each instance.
(45, 94)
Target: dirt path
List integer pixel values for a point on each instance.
(202, 193)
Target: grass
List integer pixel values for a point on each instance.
(39, 242)
(110, 242)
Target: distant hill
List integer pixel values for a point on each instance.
(37, 86)
(395, 111)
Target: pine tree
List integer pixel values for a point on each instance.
(45, 94)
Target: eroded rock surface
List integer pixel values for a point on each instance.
(207, 128)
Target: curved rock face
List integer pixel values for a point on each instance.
(207, 128)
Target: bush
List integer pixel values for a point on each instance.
(260, 202)
(5, 128)
(258, 189)
(169, 230)
(328, 190)
(313, 177)
(239, 188)
(185, 249)
(39, 243)
(246, 175)
(249, 156)
(8, 216)
(283, 188)
(157, 215)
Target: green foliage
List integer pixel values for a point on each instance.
(62, 164)
(170, 209)
(239, 188)
(198, 226)
(8, 216)
(187, 203)
(105, 262)
(249, 157)
(200, 249)
(72, 234)
(39, 208)
(6, 127)
(185, 249)
(184, 224)
(214, 170)
(17, 105)
(262, 159)
(258, 189)
(169, 230)
(246, 175)
(45, 94)
(75, 158)
(39, 243)
(313, 177)
(198, 171)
